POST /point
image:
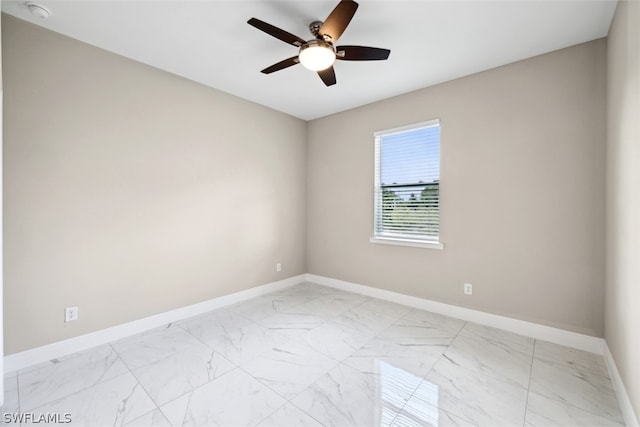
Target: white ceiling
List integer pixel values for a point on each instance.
(430, 41)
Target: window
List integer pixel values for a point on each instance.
(407, 186)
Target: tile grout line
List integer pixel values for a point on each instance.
(157, 407)
(66, 396)
(289, 401)
(239, 367)
(165, 358)
(138, 382)
(272, 390)
(443, 356)
(88, 387)
(566, 403)
(424, 378)
(526, 405)
(338, 363)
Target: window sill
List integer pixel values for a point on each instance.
(406, 242)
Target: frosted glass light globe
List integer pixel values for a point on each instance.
(317, 55)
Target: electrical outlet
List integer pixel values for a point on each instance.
(278, 267)
(70, 314)
(468, 288)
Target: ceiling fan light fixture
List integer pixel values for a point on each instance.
(317, 55)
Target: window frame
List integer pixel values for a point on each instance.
(391, 239)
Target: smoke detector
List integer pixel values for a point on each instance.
(38, 10)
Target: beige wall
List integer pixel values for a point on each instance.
(522, 192)
(130, 191)
(622, 311)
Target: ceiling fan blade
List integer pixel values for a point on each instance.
(338, 19)
(361, 53)
(281, 65)
(276, 32)
(328, 76)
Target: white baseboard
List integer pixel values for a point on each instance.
(45, 353)
(27, 358)
(534, 330)
(629, 416)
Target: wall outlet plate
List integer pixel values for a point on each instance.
(278, 267)
(468, 288)
(70, 314)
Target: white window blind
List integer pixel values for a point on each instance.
(407, 183)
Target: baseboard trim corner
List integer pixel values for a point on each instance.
(628, 414)
(24, 359)
(530, 329)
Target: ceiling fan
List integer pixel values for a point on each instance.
(319, 53)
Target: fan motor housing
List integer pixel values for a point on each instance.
(314, 28)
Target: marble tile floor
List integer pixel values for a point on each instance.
(310, 355)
